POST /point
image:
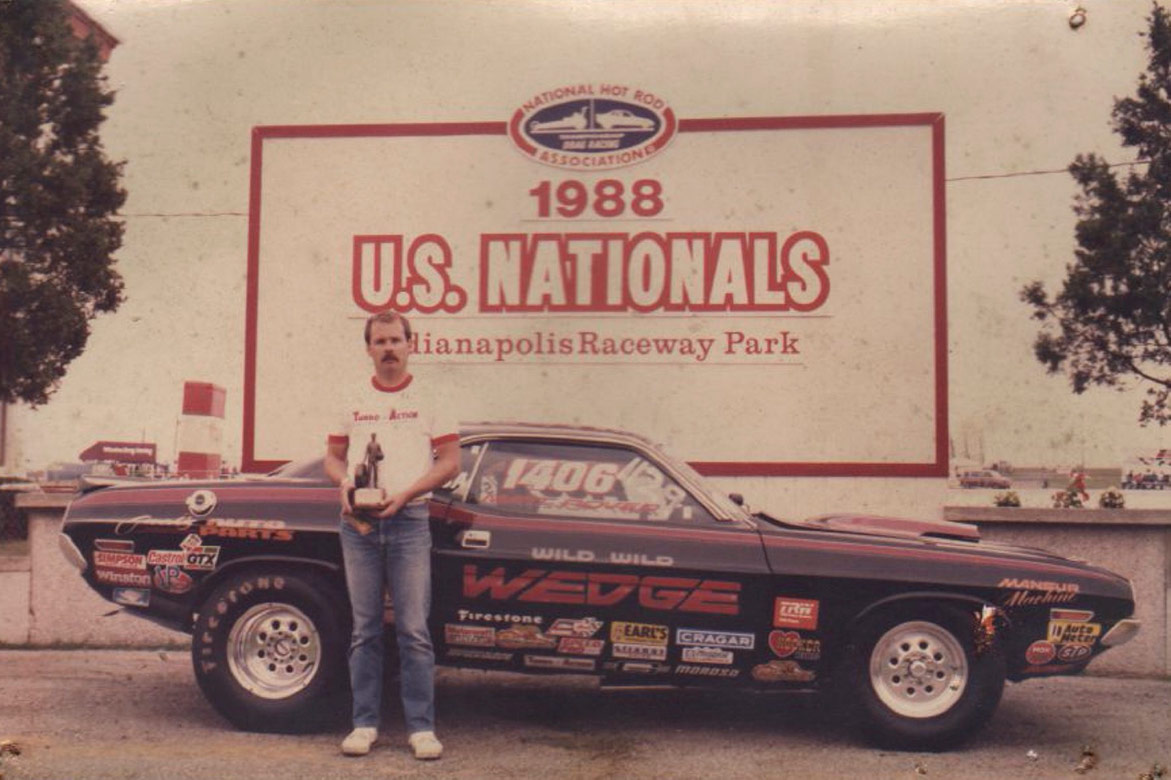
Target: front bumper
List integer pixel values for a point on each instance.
(1123, 632)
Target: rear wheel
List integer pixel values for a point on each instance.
(269, 651)
(919, 680)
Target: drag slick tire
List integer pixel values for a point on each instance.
(269, 651)
(916, 680)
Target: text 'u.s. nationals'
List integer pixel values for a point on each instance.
(587, 272)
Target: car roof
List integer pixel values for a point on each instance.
(470, 430)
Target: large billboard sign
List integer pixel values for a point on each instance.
(765, 294)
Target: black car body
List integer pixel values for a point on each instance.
(564, 549)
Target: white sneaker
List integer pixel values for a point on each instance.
(425, 746)
(359, 741)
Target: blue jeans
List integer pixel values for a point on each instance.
(396, 553)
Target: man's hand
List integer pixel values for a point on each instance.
(394, 504)
(358, 524)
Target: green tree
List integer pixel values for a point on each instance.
(58, 194)
(1110, 324)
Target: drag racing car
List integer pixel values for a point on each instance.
(563, 549)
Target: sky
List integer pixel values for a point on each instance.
(1022, 94)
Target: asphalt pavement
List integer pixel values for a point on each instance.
(139, 714)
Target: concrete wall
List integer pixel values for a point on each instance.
(60, 608)
(15, 615)
(43, 599)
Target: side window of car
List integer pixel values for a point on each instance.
(455, 487)
(550, 479)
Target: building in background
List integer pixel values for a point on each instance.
(123, 458)
(200, 432)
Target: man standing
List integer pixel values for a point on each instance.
(409, 446)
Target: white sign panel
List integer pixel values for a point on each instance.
(766, 295)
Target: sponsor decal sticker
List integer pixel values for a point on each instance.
(579, 627)
(260, 530)
(572, 645)
(1043, 585)
(707, 655)
(589, 556)
(132, 597)
(172, 579)
(466, 615)
(1071, 632)
(781, 671)
(1040, 653)
(592, 126)
(542, 586)
(560, 662)
(476, 636)
(120, 577)
(479, 655)
(636, 667)
(119, 560)
(114, 545)
(168, 524)
(1081, 615)
(785, 644)
(702, 637)
(194, 555)
(1073, 653)
(706, 671)
(1028, 593)
(640, 633)
(519, 637)
(166, 557)
(639, 652)
(795, 613)
(199, 556)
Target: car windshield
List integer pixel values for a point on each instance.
(308, 468)
(684, 469)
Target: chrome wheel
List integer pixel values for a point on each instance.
(918, 669)
(273, 650)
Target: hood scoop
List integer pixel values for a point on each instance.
(901, 527)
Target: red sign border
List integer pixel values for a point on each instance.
(935, 121)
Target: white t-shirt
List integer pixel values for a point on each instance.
(407, 422)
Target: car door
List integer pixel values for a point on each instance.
(589, 556)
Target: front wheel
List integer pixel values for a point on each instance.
(919, 682)
(269, 651)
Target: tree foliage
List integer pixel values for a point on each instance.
(58, 195)
(1111, 321)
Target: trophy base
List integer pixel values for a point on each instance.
(369, 498)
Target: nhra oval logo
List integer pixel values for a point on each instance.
(592, 126)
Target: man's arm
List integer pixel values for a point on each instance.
(337, 469)
(444, 468)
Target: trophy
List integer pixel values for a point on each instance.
(367, 493)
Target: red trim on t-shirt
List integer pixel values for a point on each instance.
(387, 389)
(338, 439)
(445, 439)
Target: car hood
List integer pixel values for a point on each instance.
(898, 527)
(899, 549)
